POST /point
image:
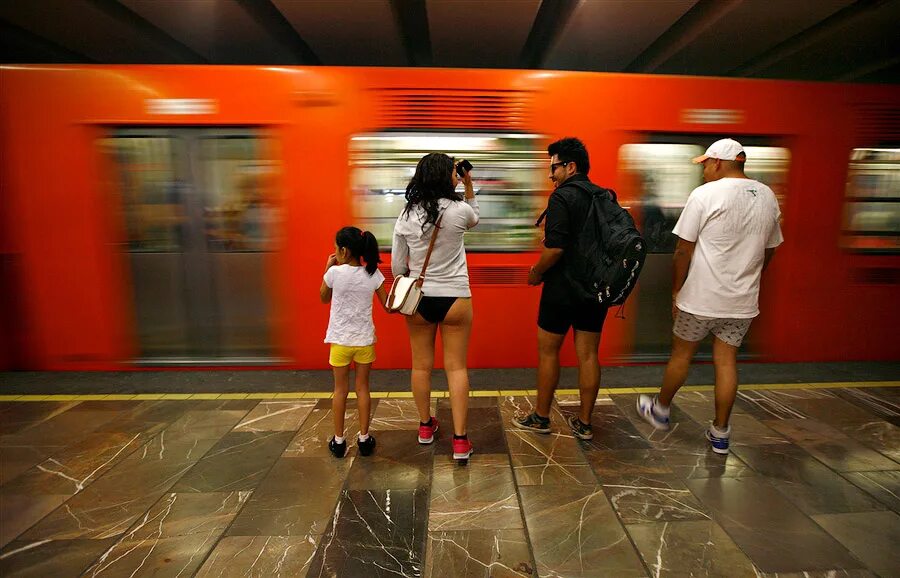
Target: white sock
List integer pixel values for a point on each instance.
(722, 433)
(338, 440)
(363, 438)
(660, 409)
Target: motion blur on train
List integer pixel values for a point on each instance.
(172, 216)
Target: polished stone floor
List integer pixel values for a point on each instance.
(235, 486)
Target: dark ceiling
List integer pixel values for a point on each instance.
(828, 40)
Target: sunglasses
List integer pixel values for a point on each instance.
(554, 166)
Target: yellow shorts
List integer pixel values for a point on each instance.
(342, 355)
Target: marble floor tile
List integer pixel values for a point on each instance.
(306, 475)
(63, 429)
(872, 399)
(276, 416)
(808, 484)
(645, 498)
(374, 533)
(511, 406)
(878, 434)
(198, 424)
(776, 404)
(775, 535)
(684, 435)
(15, 460)
(50, 558)
(611, 464)
(872, 537)
(480, 496)
(259, 557)
(239, 461)
(311, 441)
(17, 417)
(574, 532)
(226, 404)
(883, 486)
(173, 537)
(149, 412)
(832, 447)
(555, 458)
(699, 548)
(746, 430)
(109, 506)
(397, 414)
(72, 469)
(613, 430)
(117, 405)
(296, 498)
(399, 462)
(18, 513)
(485, 429)
(478, 554)
(833, 573)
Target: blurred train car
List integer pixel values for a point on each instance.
(181, 216)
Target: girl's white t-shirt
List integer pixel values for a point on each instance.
(350, 321)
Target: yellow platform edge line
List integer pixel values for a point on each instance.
(408, 394)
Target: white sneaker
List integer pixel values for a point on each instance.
(648, 408)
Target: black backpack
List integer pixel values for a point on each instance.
(608, 253)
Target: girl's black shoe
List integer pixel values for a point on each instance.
(367, 447)
(337, 449)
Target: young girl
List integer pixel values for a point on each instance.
(349, 286)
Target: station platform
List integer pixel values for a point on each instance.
(158, 473)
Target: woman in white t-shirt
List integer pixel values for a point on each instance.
(349, 287)
(447, 299)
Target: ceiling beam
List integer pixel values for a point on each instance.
(867, 69)
(177, 51)
(412, 20)
(550, 21)
(270, 18)
(806, 38)
(685, 30)
(23, 46)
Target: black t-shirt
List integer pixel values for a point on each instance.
(567, 211)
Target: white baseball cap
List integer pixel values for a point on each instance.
(726, 150)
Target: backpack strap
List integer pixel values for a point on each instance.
(593, 189)
(584, 186)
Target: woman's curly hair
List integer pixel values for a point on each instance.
(431, 182)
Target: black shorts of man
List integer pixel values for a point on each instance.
(561, 308)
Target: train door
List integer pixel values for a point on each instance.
(662, 176)
(199, 219)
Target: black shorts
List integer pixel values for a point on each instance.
(558, 315)
(434, 309)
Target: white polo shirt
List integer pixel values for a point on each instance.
(732, 221)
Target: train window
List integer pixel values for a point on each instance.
(238, 207)
(510, 179)
(872, 212)
(662, 176)
(151, 188)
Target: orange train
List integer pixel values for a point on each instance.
(181, 216)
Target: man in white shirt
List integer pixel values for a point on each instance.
(727, 234)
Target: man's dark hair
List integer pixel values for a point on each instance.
(571, 150)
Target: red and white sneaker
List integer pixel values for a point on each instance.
(462, 449)
(426, 432)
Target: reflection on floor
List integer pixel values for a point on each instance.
(246, 487)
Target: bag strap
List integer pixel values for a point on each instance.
(584, 186)
(437, 227)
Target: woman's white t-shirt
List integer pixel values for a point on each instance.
(350, 321)
(447, 274)
(732, 221)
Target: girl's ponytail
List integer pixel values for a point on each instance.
(370, 252)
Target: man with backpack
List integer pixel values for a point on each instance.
(576, 235)
(727, 234)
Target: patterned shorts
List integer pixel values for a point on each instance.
(692, 327)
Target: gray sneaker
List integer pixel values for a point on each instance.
(580, 429)
(533, 422)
